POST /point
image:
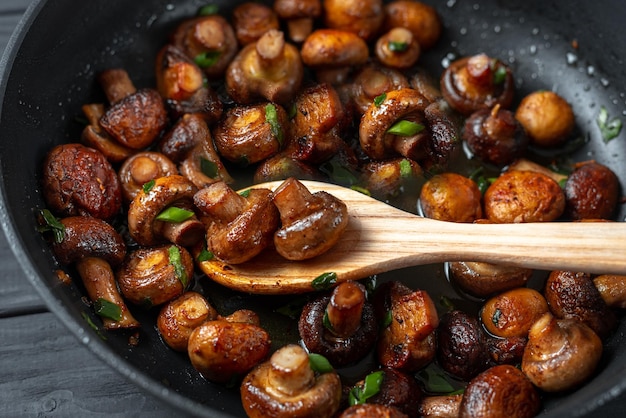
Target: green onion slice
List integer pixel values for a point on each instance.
(405, 168)
(207, 59)
(499, 75)
(108, 309)
(205, 255)
(319, 363)
(360, 395)
(324, 281)
(174, 215)
(208, 10)
(378, 100)
(608, 128)
(177, 261)
(209, 168)
(397, 46)
(271, 115)
(148, 186)
(53, 225)
(405, 128)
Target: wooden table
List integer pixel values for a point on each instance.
(45, 371)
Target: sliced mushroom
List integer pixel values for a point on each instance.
(311, 223)
(95, 248)
(286, 386)
(141, 168)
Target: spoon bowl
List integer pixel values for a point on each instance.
(381, 238)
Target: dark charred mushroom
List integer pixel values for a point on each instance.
(486, 279)
(149, 220)
(179, 317)
(225, 349)
(374, 81)
(547, 117)
(95, 248)
(286, 386)
(478, 82)
(398, 48)
(299, 15)
(141, 168)
(239, 227)
(153, 276)
(361, 17)
(269, 69)
(251, 20)
(311, 223)
(341, 327)
(500, 391)
(418, 17)
(512, 313)
(78, 180)
(560, 354)
(451, 197)
(591, 192)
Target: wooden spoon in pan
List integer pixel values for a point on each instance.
(381, 238)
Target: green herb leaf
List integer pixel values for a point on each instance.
(324, 281)
(499, 75)
(209, 168)
(360, 395)
(205, 255)
(387, 319)
(434, 381)
(208, 10)
(207, 59)
(319, 363)
(378, 100)
(245, 193)
(107, 309)
(271, 115)
(361, 190)
(338, 173)
(177, 261)
(608, 128)
(148, 186)
(406, 168)
(174, 215)
(496, 317)
(326, 322)
(405, 128)
(52, 225)
(397, 46)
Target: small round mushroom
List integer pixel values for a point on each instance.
(512, 313)
(155, 275)
(420, 18)
(398, 49)
(269, 69)
(311, 223)
(179, 317)
(612, 288)
(440, 406)
(341, 326)
(547, 117)
(147, 224)
(223, 350)
(486, 279)
(283, 166)
(523, 196)
(239, 227)
(560, 354)
(591, 192)
(286, 386)
(78, 180)
(142, 167)
(374, 81)
(477, 82)
(451, 197)
(495, 136)
(299, 15)
(251, 20)
(389, 178)
(500, 391)
(361, 17)
(95, 248)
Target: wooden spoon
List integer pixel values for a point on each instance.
(381, 238)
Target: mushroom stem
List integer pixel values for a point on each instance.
(116, 84)
(185, 233)
(99, 281)
(210, 34)
(270, 48)
(345, 308)
(290, 372)
(299, 28)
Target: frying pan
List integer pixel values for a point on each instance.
(575, 48)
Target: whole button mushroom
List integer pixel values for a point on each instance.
(251, 20)
(451, 197)
(299, 15)
(373, 81)
(78, 180)
(311, 223)
(512, 313)
(420, 18)
(286, 386)
(591, 192)
(398, 49)
(384, 179)
(95, 248)
(163, 211)
(141, 168)
(547, 117)
(612, 288)
(485, 279)
(361, 17)
(341, 326)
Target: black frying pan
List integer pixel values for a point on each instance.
(61, 45)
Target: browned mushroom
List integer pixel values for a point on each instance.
(283, 166)
(163, 211)
(225, 349)
(142, 167)
(451, 197)
(251, 20)
(384, 179)
(181, 82)
(155, 275)
(362, 17)
(311, 223)
(95, 248)
(374, 81)
(286, 386)
(494, 136)
(424, 82)
(179, 317)
(591, 192)
(252, 133)
(477, 82)
(420, 18)
(486, 279)
(398, 48)
(95, 137)
(299, 15)
(612, 288)
(341, 326)
(574, 295)
(500, 391)
(371, 410)
(547, 117)
(398, 391)
(440, 406)
(269, 69)
(560, 354)
(78, 180)
(239, 227)
(209, 41)
(512, 313)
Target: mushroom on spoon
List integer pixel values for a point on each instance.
(381, 238)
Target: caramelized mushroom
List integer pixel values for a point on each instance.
(239, 227)
(374, 81)
(311, 223)
(299, 15)
(612, 288)
(486, 279)
(362, 17)
(560, 354)
(179, 317)
(141, 168)
(440, 406)
(95, 248)
(398, 48)
(283, 166)
(500, 391)
(95, 137)
(547, 117)
(251, 20)
(286, 386)
(512, 313)
(341, 326)
(591, 192)
(398, 391)
(269, 69)
(389, 178)
(78, 180)
(153, 276)
(451, 197)
(371, 410)
(418, 17)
